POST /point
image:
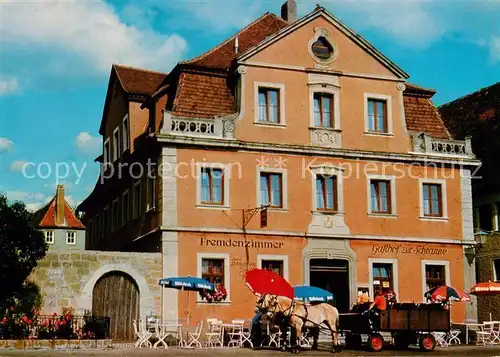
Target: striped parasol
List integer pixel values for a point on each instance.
(447, 293)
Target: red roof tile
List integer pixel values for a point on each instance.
(138, 81)
(420, 113)
(251, 35)
(203, 95)
(49, 218)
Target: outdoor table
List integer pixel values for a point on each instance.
(467, 325)
(167, 329)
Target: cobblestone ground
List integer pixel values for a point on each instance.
(449, 351)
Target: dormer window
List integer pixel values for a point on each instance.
(322, 49)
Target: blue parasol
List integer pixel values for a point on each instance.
(307, 293)
(188, 283)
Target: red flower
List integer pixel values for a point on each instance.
(55, 314)
(30, 322)
(4, 320)
(12, 308)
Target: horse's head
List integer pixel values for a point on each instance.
(269, 304)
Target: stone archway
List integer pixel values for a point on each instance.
(146, 301)
(116, 295)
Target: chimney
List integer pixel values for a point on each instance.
(289, 11)
(60, 205)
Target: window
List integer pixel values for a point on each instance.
(432, 197)
(151, 193)
(382, 276)
(116, 216)
(116, 144)
(106, 153)
(213, 271)
(125, 133)
(434, 276)
(380, 196)
(269, 105)
(212, 186)
(323, 110)
(496, 270)
(322, 49)
(377, 115)
(70, 237)
(276, 266)
(271, 189)
(326, 193)
(137, 199)
(49, 237)
(126, 208)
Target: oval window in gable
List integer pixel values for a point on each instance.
(322, 49)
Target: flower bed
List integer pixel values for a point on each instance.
(66, 326)
(220, 294)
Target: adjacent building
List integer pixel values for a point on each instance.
(60, 225)
(478, 115)
(362, 185)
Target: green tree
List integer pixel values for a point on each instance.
(22, 244)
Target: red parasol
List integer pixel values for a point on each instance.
(447, 293)
(262, 282)
(485, 289)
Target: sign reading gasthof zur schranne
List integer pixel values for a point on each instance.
(403, 249)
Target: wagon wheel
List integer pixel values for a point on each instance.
(427, 342)
(375, 342)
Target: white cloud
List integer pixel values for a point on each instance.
(5, 145)
(18, 165)
(88, 144)
(33, 207)
(90, 29)
(27, 196)
(8, 86)
(495, 49)
(73, 202)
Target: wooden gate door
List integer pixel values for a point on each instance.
(116, 295)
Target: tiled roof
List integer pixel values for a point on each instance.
(251, 35)
(420, 113)
(49, 217)
(138, 81)
(203, 95)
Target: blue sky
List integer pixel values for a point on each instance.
(55, 61)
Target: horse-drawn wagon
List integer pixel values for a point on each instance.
(406, 323)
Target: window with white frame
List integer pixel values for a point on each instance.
(378, 114)
(433, 201)
(327, 189)
(125, 133)
(323, 110)
(326, 193)
(49, 237)
(106, 152)
(71, 237)
(212, 188)
(383, 275)
(381, 195)
(278, 264)
(125, 208)
(116, 144)
(434, 273)
(269, 103)
(137, 199)
(214, 267)
(272, 188)
(496, 270)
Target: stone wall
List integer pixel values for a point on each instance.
(67, 279)
(487, 253)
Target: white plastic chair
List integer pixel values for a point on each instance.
(214, 334)
(440, 338)
(194, 337)
(236, 334)
(247, 334)
(453, 337)
(273, 333)
(142, 334)
(495, 333)
(485, 333)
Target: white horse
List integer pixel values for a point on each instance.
(302, 315)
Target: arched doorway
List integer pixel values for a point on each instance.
(333, 276)
(116, 295)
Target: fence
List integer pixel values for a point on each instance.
(46, 327)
